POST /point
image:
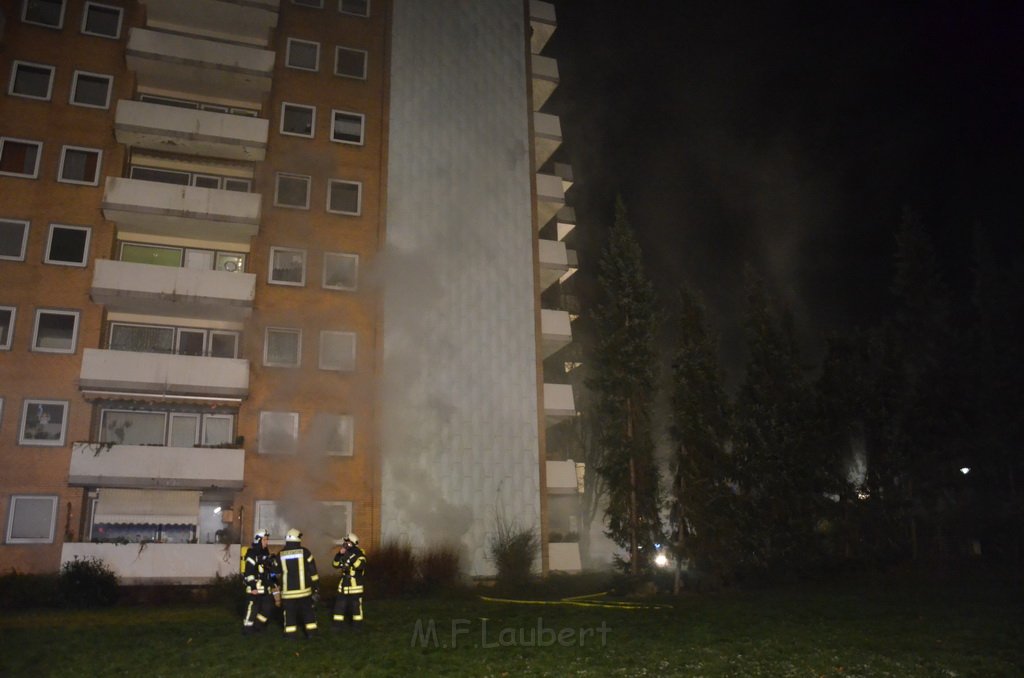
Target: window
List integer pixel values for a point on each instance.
(189, 257)
(125, 427)
(91, 89)
(350, 63)
(80, 165)
(198, 105)
(282, 347)
(48, 13)
(303, 55)
(287, 266)
(354, 7)
(31, 519)
(42, 422)
(33, 81)
(13, 238)
(67, 245)
(332, 434)
(347, 128)
(297, 120)
(292, 190)
(56, 331)
(337, 351)
(155, 427)
(170, 339)
(141, 338)
(101, 20)
(344, 197)
(19, 157)
(7, 315)
(182, 178)
(340, 270)
(279, 432)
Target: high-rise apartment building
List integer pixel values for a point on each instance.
(273, 264)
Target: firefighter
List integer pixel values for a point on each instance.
(348, 606)
(257, 576)
(298, 579)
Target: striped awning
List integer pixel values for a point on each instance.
(147, 507)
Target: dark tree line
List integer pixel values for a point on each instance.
(901, 445)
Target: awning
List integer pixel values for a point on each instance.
(147, 507)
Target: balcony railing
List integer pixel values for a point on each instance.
(564, 477)
(158, 127)
(550, 197)
(178, 63)
(155, 208)
(163, 375)
(554, 262)
(249, 21)
(547, 136)
(559, 404)
(155, 466)
(544, 76)
(566, 221)
(564, 557)
(542, 24)
(555, 330)
(168, 290)
(159, 563)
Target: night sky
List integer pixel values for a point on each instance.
(792, 136)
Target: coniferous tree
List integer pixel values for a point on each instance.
(623, 382)
(702, 515)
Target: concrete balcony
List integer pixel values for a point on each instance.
(566, 221)
(154, 466)
(574, 265)
(544, 76)
(162, 374)
(138, 206)
(250, 21)
(554, 262)
(555, 331)
(547, 136)
(160, 563)
(559, 404)
(550, 197)
(141, 124)
(564, 171)
(176, 63)
(172, 291)
(564, 557)
(564, 477)
(542, 24)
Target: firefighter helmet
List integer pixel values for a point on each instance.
(352, 538)
(260, 534)
(293, 535)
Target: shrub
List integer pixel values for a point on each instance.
(21, 591)
(394, 569)
(88, 582)
(439, 568)
(512, 549)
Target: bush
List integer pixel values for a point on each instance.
(22, 591)
(394, 570)
(513, 549)
(88, 582)
(439, 568)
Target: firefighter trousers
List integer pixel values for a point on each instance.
(299, 613)
(258, 608)
(348, 609)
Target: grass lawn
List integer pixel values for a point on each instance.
(858, 630)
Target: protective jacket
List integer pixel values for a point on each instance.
(257, 573)
(296, 572)
(352, 564)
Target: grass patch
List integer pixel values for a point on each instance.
(858, 630)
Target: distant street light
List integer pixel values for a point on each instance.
(965, 469)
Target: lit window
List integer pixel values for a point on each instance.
(279, 433)
(33, 81)
(13, 238)
(287, 266)
(102, 20)
(340, 270)
(347, 128)
(31, 519)
(354, 7)
(20, 157)
(344, 197)
(282, 347)
(332, 434)
(292, 190)
(67, 245)
(7, 314)
(91, 90)
(337, 351)
(43, 422)
(303, 55)
(48, 13)
(297, 120)
(80, 165)
(124, 427)
(350, 63)
(55, 332)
